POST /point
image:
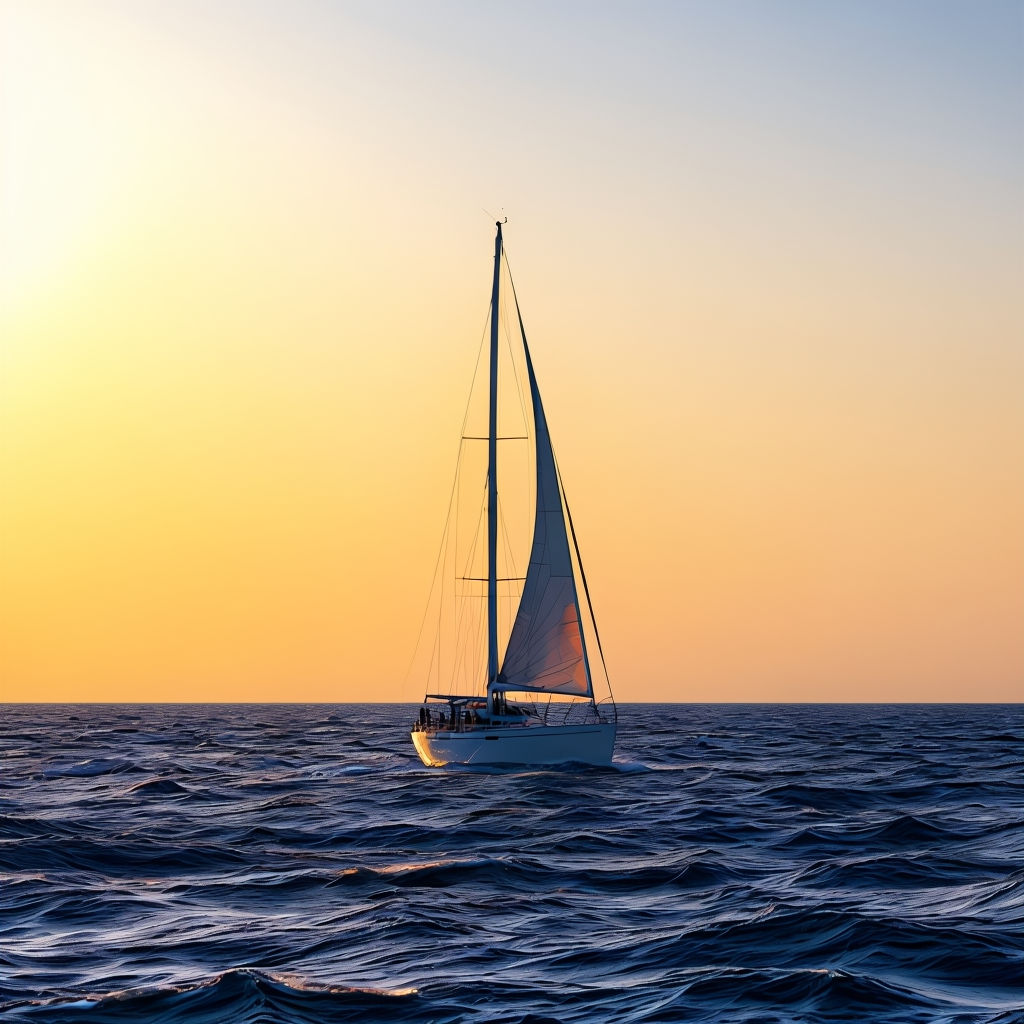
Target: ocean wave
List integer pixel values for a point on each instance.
(734, 864)
(239, 996)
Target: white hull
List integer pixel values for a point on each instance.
(534, 744)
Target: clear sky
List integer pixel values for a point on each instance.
(771, 259)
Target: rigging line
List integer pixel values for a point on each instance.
(464, 604)
(453, 684)
(508, 340)
(435, 654)
(453, 596)
(434, 663)
(448, 515)
(468, 617)
(460, 645)
(450, 542)
(470, 637)
(527, 417)
(434, 585)
(476, 537)
(476, 368)
(478, 670)
(522, 332)
(510, 558)
(583, 577)
(456, 493)
(515, 374)
(467, 622)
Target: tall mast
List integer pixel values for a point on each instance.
(492, 488)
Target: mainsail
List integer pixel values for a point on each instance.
(546, 649)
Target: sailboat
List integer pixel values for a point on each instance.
(536, 703)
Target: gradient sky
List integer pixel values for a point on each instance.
(771, 260)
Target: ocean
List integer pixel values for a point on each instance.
(296, 863)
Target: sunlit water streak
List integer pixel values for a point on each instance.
(297, 863)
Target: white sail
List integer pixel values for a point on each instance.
(546, 650)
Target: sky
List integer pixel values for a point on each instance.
(770, 258)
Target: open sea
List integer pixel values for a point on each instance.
(737, 863)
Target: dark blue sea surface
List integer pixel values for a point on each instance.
(264, 863)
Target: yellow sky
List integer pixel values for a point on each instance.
(770, 267)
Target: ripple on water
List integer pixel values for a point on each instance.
(297, 863)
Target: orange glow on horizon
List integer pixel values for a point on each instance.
(243, 275)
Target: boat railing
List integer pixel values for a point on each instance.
(469, 720)
(458, 717)
(580, 712)
(608, 705)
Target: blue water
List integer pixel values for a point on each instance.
(297, 863)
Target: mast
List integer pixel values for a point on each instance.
(492, 488)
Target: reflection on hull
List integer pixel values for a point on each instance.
(536, 744)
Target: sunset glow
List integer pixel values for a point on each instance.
(771, 260)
